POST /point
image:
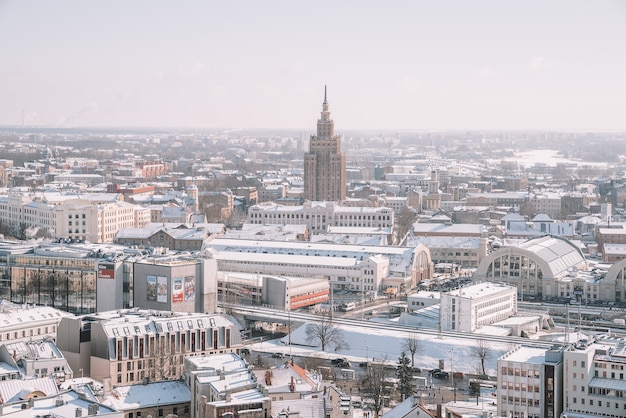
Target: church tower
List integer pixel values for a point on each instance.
(325, 164)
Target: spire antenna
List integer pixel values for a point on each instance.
(325, 101)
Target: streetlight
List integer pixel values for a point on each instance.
(452, 374)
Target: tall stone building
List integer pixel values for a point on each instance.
(325, 164)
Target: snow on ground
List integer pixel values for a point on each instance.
(386, 346)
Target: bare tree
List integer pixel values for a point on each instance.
(158, 360)
(404, 222)
(377, 385)
(325, 332)
(482, 351)
(413, 345)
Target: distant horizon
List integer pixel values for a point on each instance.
(192, 129)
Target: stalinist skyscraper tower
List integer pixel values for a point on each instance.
(325, 164)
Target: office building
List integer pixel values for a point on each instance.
(530, 383)
(470, 308)
(325, 164)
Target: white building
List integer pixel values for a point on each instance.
(36, 359)
(25, 322)
(33, 402)
(319, 215)
(594, 382)
(349, 267)
(223, 382)
(469, 308)
(422, 300)
(530, 383)
(92, 217)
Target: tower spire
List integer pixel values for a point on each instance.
(325, 101)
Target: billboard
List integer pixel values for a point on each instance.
(151, 287)
(177, 289)
(161, 289)
(190, 287)
(106, 271)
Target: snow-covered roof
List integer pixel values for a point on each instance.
(525, 354)
(141, 396)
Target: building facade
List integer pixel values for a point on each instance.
(91, 217)
(325, 164)
(134, 346)
(347, 267)
(530, 383)
(594, 382)
(318, 216)
(469, 308)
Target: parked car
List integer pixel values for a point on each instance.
(245, 351)
(441, 375)
(344, 365)
(278, 355)
(357, 404)
(433, 371)
(337, 361)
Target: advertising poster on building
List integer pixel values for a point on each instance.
(151, 288)
(106, 271)
(190, 287)
(162, 289)
(177, 289)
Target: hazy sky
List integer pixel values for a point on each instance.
(263, 64)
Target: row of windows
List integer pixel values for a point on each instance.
(599, 403)
(511, 371)
(523, 401)
(520, 386)
(31, 333)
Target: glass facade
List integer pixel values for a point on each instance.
(68, 284)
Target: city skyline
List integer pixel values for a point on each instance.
(409, 65)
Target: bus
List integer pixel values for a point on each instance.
(346, 307)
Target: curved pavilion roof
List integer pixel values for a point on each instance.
(554, 255)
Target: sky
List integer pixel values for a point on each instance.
(397, 65)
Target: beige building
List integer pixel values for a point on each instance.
(126, 347)
(91, 217)
(325, 164)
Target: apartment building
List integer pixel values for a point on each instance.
(25, 322)
(129, 346)
(530, 383)
(594, 382)
(222, 384)
(90, 217)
